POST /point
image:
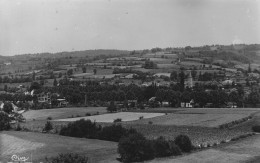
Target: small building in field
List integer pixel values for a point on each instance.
(231, 105)
(187, 104)
(44, 97)
(62, 102)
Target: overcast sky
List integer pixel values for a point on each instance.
(35, 26)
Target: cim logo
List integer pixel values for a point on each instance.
(17, 158)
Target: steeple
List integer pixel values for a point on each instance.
(190, 81)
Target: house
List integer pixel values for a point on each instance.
(165, 103)
(7, 63)
(231, 105)
(129, 76)
(187, 104)
(44, 97)
(62, 102)
(227, 82)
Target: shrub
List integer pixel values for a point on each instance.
(184, 143)
(164, 148)
(141, 106)
(135, 148)
(256, 128)
(18, 117)
(48, 126)
(4, 121)
(25, 129)
(150, 122)
(175, 150)
(118, 120)
(161, 147)
(87, 129)
(87, 114)
(18, 127)
(49, 118)
(8, 108)
(81, 128)
(112, 108)
(115, 132)
(68, 158)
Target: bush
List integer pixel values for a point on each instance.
(184, 143)
(81, 128)
(111, 108)
(135, 148)
(256, 128)
(164, 148)
(48, 126)
(175, 150)
(87, 114)
(8, 108)
(49, 118)
(118, 120)
(18, 127)
(68, 158)
(115, 132)
(4, 121)
(86, 129)
(161, 147)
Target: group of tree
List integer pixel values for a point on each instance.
(75, 93)
(149, 65)
(22, 79)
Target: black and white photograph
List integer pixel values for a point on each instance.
(129, 81)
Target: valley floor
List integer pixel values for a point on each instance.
(245, 150)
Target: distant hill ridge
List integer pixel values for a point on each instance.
(76, 53)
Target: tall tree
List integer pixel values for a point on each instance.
(84, 69)
(55, 83)
(182, 80)
(69, 72)
(174, 75)
(95, 71)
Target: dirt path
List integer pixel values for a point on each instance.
(241, 151)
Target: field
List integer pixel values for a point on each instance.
(198, 135)
(108, 118)
(246, 150)
(62, 112)
(197, 123)
(203, 120)
(37, 146)
(169, 65)
(201, 110)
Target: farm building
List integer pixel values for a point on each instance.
(62, 102)
(187, 104)
(44, 97)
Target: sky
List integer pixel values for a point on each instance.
(36, 26)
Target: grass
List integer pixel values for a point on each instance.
(41, 145)
(198, 135)
(168, 66)
(246, 150)
(204, 120)
(60, 113)
(37, 146)
(109, 118)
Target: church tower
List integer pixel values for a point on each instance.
(190, 81)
